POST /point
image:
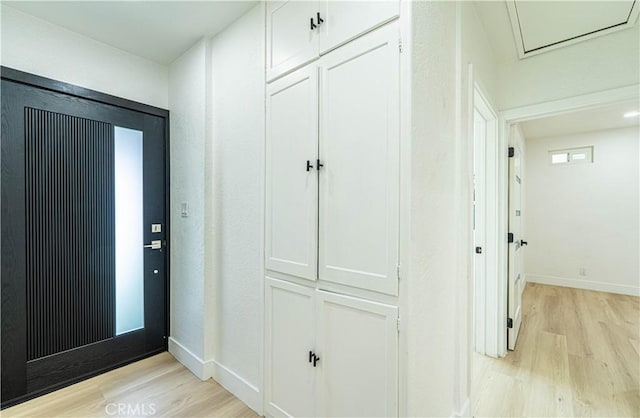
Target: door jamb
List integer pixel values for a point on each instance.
(485, 299)
(507, 118)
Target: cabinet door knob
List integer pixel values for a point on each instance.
(320, 20)
(316, 359)
(313, 25)
(309, 165)
(311, 356)
(318, 165)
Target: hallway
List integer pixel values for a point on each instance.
(578, 354)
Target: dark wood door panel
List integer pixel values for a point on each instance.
(58, 225)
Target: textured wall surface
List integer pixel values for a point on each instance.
(432, 287)
(187, 104)
(238, 183)
(32, 45)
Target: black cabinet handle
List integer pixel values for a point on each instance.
(318, 165)
(309, 165)
(320, 20)
(316, 359)
(311, 356)
(313, 25)
(523, 243)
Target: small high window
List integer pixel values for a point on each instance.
(572, 156)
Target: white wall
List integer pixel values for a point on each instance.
(584, 215)
(477, 50)
(217, 166)
(238, 183)
(598, 64)
(35, 46)
(188, 105)
(433, 306)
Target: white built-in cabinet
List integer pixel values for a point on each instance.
(329, 355)
(300, 31)
(292, 181)
(332, 208)
(332, 192)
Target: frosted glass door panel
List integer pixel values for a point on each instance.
(129, 230)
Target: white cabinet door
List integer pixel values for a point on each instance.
(345, 20)
(292, 188)
(359, 147)
(289, 330)
(357, 343)
(291, 42)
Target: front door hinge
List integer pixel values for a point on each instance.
(509, 323)
(400, 45)
(510, 237)
(512, 152)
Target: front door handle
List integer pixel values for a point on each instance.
(156, 244)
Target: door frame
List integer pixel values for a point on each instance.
(21, 77)
(507, 119)
(485, 291)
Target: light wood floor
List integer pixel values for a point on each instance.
(160, 385)
(578, 354)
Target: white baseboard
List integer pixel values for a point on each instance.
(465, 411)
(239, 387)
(191, 361)
(585, 284)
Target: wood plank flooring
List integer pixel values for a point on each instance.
(578, 354)
(158, 386)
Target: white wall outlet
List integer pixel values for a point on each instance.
(155, 228)
(184, 210)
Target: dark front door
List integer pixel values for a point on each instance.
(83, 238)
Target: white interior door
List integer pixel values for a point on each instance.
(479, 230)
(516, 275)
(291, 41)
(357, 343)
(345, 20)
(359, 147)
(292, 178)
(290, 387)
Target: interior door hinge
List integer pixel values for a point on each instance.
(512, 152)
(400, 44)
(509, 323)
(398, 271)
(510, 237)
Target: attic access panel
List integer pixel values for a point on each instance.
(541, 26)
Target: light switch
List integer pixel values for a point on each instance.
(156, 228)
(184, 210)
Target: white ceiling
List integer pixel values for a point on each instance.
(157, 30)
(544, 23)
(609, 117)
